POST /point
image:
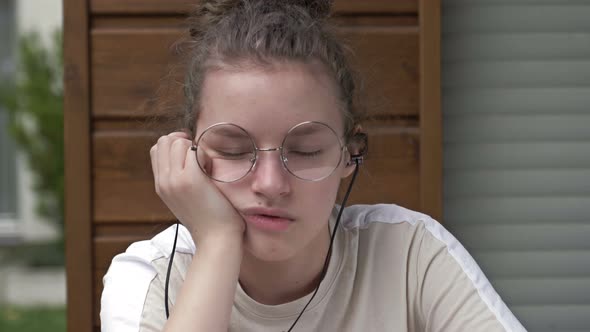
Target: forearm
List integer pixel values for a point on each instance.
(206, 297)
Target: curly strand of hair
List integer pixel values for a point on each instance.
(208, 13)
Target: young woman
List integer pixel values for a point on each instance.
(271, 129)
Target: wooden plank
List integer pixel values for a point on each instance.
(431, 189)
(141, 22)
(77, 167)
(179, 21)
(127, 67)
(387, 59)
(128, 64)
(124, 189)
(131, 7)
(375, 7)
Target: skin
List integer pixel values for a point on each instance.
(272, 267)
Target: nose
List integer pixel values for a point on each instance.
(270, 178)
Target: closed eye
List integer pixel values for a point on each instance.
(233, 155)
(307, 154)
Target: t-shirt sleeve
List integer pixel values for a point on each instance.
(130, 286)
(453, 294)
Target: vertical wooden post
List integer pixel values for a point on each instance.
(77, 166)
(431, 185)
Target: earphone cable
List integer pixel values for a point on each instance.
(324, 269)
(170, 269)
(327, 260)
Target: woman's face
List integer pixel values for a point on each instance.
(267, 103)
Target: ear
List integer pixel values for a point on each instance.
(356, 150)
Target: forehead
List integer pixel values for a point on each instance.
(267, 102)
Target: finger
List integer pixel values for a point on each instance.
(163, 158)
(153, 158)
(179, 134)
(178, 154)
(191, 164)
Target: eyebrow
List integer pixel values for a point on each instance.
(230, 133)
(305, 131)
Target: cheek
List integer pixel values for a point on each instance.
(231, 191)
(320, 195)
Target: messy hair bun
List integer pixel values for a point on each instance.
(228, 32)
(209, 12)
(318, 9)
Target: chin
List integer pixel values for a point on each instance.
(268, 249)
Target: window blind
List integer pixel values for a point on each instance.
(516, 121)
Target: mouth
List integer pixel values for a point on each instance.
(270, 220)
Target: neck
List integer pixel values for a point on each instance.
(274, 283)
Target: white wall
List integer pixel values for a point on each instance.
(43, 16)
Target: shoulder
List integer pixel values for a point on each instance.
(416, 236)
(438, 268)
(417, 233)
(136, 275)
(391, 228)
(387, 220)
(140, 256)
(363, 216)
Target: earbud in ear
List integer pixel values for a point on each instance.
(359, 143)
(355, 159)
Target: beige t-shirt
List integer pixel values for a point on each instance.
(392, 269)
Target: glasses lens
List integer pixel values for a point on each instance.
(312, 151)
(225, 152)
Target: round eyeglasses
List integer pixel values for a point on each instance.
(310, 151)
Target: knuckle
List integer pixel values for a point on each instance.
(178, 143)
(163, 139)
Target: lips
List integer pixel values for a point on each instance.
(268, 219)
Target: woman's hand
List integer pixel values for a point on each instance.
(189, 194)
(215, 226)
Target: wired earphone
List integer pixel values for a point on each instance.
(357, 160)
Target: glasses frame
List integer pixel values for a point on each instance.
(284, 160)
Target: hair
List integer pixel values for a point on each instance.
(232, 33)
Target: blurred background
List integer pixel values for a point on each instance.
(32, 274)
(516, 150)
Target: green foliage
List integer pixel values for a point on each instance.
(34, 254)
(32, 319)
(34, 101)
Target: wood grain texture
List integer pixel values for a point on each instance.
(129, 64)
(375, 7)
(134, 7)
(127, 68)
(77, 167)
(431, 186)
